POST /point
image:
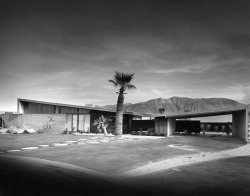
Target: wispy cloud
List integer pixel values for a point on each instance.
(198, 68)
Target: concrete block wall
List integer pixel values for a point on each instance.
(11, 119)
(36, 121)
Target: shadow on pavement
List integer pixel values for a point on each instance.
(26, 177)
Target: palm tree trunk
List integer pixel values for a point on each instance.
(119, 115)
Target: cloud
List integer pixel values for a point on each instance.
(198, 68)
(236, 41)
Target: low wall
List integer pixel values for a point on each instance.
(10, 120)
(35, 121)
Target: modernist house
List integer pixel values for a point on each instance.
(35, 114)
(240, 124)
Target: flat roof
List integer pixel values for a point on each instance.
(204, 114)
(78, 106)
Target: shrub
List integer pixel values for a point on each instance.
(144, 133)
(152, 134)
(133, 132)
(151, 130)
(111, 129)
(48, 126)
(136, 132)
(147, 133)
(66, 131)
(162, 134)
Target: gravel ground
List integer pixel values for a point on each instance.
(187, 160)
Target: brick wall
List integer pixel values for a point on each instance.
(36, 121)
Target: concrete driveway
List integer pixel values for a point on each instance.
(220, 177)
(31, 176)
(124, 154)
(94, 167)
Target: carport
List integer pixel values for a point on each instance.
(240, 119)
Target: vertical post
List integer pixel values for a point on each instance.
(77, 124)
(18, 120)
(72, 121)
(130, 123)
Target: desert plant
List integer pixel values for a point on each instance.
(102, 123)
(133, 132)
(216, 128)
(136, 132)
(122, 81)
(208, 128)
(48, 126)
(151, 130)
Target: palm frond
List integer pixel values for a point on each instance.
(96, 122)
(130, 87)
(123, 78)
(114, 83)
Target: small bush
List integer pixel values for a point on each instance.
(133, 132)
(144, 133)
(136, 132)
(152, 134)
(151, 130)
(162, 134)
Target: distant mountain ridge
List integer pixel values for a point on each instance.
(179, 105)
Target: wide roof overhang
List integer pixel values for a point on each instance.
(204, 113)
(78, 106)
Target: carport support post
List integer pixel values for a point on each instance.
(240, 124)
(170, 126)
(18, 116)
(77, 124)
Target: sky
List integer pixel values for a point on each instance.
(66, 51)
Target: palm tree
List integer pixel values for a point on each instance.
(161, 110)
(122, 81)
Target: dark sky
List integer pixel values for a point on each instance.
(65, 51)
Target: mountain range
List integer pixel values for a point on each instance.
(179, 105)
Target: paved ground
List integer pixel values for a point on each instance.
(91, 165)
(29, 176)
(115, 155)
(219, 177)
